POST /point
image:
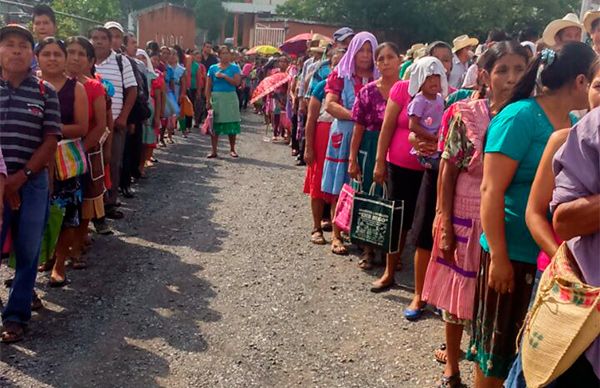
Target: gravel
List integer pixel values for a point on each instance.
(211, 281)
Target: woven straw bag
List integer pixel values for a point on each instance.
(563, 322)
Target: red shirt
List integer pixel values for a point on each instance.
(335, 84)
(94, 90)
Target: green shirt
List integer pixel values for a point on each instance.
(460, 94)
(194, 75)
(520, 131)
(405, 66)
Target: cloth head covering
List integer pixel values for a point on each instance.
(345, 69)
(423, 68)
(530, 46)
(147, 59)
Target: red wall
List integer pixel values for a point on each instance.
(168, 25)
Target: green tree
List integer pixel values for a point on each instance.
(408, 21)
(100, 10)
(209, 16)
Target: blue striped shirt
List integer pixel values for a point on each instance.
(28, 113)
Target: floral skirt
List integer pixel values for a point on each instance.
(498, 319)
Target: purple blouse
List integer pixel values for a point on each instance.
(369, 107)
(577, 174)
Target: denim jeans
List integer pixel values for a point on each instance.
(27, 225)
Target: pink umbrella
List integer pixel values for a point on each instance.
(269, 85)
(297, 44)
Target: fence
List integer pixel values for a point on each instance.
(264, 35)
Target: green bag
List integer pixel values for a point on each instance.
(50, 238)
(377, 221)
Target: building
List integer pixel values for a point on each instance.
(165, 23)
(256, 23)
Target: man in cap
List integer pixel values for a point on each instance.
(562, 31)
(116, 33)
(342, 37)
(123, 80)
(591, 22)
(30, 128)
(462, 54)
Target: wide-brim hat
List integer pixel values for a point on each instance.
(460, 42)
(414, 48)
(589, 18)
(320, 47)
(549, 35)
(17, 29)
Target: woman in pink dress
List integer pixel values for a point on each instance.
(451, 276)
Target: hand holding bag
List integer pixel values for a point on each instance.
(71, 159)
(207, 126)
(563, 322)
(343, 209)
(377, 221)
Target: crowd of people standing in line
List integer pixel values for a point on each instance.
(80, 120)
(480, 145)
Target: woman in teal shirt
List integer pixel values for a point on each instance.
(222, 82)
(515, 142)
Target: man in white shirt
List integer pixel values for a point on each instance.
(125, 87)
(462, 51)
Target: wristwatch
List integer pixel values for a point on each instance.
(28, 173)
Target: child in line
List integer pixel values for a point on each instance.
(427, 84)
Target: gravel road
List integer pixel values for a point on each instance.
(211, 281)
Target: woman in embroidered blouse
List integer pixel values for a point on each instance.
(367, 114)
(452, 272)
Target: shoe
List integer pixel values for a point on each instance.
(413, 315)
(102, 228)
(128, 193)
(301, 163)
(54, 284)
(384, 288)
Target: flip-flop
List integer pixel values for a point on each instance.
(317, 237)
(383, 288)
(12, 332)
(234, 154)
(54, 284)
(211, 156)
(338, 249)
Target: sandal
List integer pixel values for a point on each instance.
(440, 354)
(78, 263)
(377, 289)
(366, 261)
(234, 154)
(326, 225)
(12, 332)
(211, 156)
(451, 382)
(317, 237)
(52, 283)
(36, 302)
(338, 247)
(47, 266)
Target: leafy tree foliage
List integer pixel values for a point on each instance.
(409, 21)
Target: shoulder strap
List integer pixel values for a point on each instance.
(119, 59)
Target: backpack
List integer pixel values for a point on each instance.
(141, 109)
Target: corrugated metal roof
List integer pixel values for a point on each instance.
(248, 8)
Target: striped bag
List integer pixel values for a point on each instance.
(70, 159)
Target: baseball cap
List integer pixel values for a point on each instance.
(118, 26)
(342, 34)
(16, 29)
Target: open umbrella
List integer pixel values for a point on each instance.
(298, 44)
(263, 50)
(269, 85)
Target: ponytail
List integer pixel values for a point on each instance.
(554, 69)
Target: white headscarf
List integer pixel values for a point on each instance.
(423, 68)
(149, 66)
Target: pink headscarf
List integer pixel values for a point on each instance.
(345, 69)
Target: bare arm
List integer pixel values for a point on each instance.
(392, 110)
(498, 172)
(579, 217)
(536, 214)
(130, 96)
(208, 92)
(417, 128)
(334, 108)
(80, 108)
(92, 139)
(446, 186)
(314, 108)
(357, 135)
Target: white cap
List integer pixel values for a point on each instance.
(118, 26)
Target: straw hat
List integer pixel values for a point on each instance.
(414, 48)
(318, 46)
(570, 20)
(589, 18)
(460, 42)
